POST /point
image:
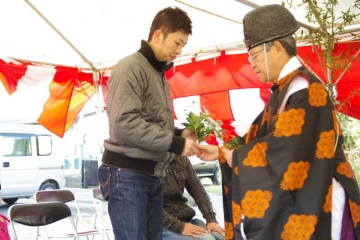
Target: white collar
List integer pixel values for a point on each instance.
(290, 66)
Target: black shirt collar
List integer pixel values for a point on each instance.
(149, 54)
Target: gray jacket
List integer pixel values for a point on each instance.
(141, 122)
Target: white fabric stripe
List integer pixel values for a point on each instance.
(9, 60)
(337, 212)
(185, 105)
(245, 104)
(27, 102)
(36, 74)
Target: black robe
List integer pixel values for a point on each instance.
(281, 179)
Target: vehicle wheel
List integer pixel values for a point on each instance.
(48, 186)
(10, 200)
(216, 178)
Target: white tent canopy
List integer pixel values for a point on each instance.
(103, 31)
(95, 34)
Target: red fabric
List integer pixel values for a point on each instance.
(104, 84)
(67, 94)
(212, 83)
(10, 74)
(54, 115)
(81, 94)
(210, 79)
(348, 87)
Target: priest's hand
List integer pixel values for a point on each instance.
(208, 152)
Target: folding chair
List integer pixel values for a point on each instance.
(98, 203)
(65, 196)
(41, 214)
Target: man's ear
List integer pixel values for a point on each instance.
(278, 47)
(157, 36)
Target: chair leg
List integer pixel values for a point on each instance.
(37, 233)
(75, 229)
(99, 213)
(103, 230)
(46, 234)
(13, 231)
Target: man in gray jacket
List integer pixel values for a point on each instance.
(141, 128)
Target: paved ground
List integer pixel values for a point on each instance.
(88, 211)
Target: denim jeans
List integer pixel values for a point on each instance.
(169, 235)
(135, 202)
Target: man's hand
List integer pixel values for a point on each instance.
(193, 230)
(213, 226)
(208, 152)
(190, 148)
(186, 133)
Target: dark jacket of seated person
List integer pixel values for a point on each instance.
(180, 175)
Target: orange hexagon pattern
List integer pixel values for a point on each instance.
(236, 170)
(257, 155)
(255, 203)
(344, 168)
(222, 158)
(299, 227)
(290, 123)
(325, 145)
(229, 231)
(328, 200)
(317, 95)
(226, 190)
(282, 82)
(295, 175)
(266, 115)
(336, 123)
(237, 213)
(355, 212)
(252, 132)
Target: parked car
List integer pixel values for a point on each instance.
(28, 161)
(209, 169)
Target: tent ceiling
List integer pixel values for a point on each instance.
(104, 31)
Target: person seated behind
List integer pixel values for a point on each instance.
(178, 218)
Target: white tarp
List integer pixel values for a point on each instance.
(104, 31)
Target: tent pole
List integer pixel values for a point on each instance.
(61, 35)
(98, 115)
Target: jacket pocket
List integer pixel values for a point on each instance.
(181, 176)
(104, 176)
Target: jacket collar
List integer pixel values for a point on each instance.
(149, 54)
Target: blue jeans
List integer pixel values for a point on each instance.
(135, 202)
(169, 235)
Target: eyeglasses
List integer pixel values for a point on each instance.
(252, 57)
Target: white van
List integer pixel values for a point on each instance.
(28, 161)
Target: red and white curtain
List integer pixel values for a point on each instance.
(55, 94)
(222, 83)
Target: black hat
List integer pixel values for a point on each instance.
(267, 23)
